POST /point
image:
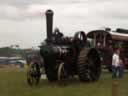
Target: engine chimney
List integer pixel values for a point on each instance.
(49, 24)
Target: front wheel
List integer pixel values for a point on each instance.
(33, 74)
(62, 74)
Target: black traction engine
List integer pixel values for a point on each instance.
(65, 57)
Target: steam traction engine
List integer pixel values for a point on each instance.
(68, 56)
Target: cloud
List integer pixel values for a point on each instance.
(29, 2)
(107, 9)
(7, 11)
(112, 9)
(15, 13)
(76, 15)
(25, 23)
(26, 33)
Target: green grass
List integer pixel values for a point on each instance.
(13, 83)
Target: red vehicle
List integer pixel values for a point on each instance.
(106, 40)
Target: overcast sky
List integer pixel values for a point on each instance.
(23, 21)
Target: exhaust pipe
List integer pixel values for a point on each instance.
(49, 24)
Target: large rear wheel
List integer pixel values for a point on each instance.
(89, 65)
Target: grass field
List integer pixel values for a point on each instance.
(13, 83)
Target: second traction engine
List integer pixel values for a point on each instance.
(65, 57)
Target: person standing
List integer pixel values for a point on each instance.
(120, 68)
(116, 63)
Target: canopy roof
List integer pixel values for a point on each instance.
(113, 34)
(119, 36)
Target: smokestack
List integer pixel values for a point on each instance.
(49, 24)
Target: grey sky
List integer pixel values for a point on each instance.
(23, 21)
